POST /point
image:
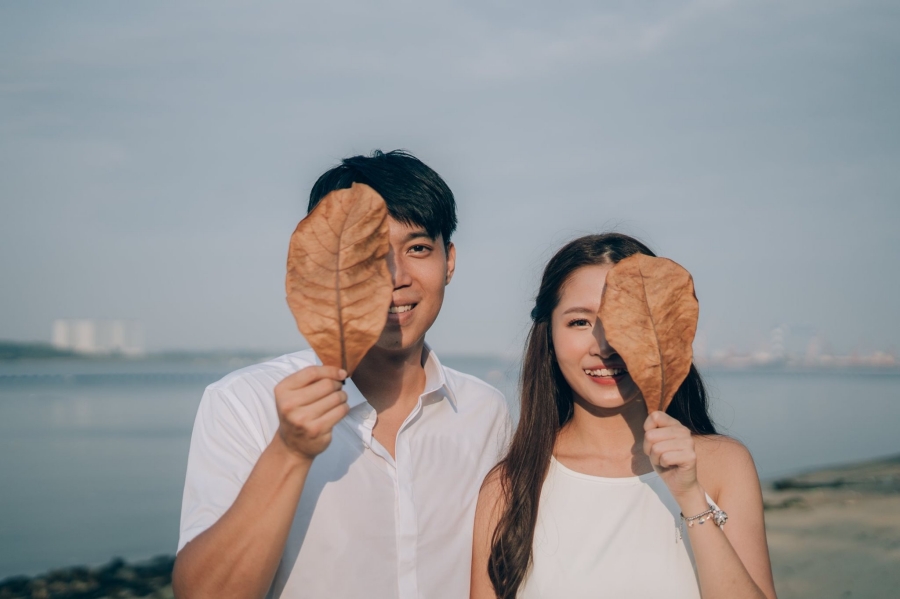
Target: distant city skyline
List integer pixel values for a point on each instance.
(155, 158)
(793, 346)
(93, 336)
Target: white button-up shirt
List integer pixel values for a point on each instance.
(367, 525)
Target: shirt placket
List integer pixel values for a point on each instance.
(400, 469)
(407, 519)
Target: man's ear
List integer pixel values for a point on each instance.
(451, 262)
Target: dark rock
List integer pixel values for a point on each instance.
(791, 484)
(116, 579)
(786, 503)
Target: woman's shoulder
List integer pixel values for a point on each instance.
(488, 510)
(723, 462)
(491, 492)
(723, 446)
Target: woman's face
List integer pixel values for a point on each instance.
(596, 373)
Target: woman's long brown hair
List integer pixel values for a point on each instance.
(546, 405)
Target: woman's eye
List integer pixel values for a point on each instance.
(579, 322)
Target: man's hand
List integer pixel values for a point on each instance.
(310, 402)
(238, 555)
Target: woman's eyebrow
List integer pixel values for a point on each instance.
(580, 310)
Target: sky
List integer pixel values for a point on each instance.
(155, 157)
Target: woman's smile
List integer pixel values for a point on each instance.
(607, 375)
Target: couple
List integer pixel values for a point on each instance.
(388, 484)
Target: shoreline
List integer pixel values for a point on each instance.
(832, 532)
(116, 579)
(835, 532)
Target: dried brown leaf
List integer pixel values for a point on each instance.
(649, 313)
(338, 284)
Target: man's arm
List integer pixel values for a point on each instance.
(239, 554)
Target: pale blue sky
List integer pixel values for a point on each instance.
(155, 157)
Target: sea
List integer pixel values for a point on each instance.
(93, 452)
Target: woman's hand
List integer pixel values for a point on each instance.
(670, 446)
(733, 564)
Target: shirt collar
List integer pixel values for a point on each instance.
(435, 382)
(436, 378)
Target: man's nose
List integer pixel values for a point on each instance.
(399, 274)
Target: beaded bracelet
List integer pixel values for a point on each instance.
(713, 513)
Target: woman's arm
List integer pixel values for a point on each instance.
(727, 471)
(732, 564)
(487, 514)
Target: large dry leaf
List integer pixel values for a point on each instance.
(338, 284)
(649, 313)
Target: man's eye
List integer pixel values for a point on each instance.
(418, 249)
(579, 322)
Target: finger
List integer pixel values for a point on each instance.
(670, 445)
(677, 459)
(658, 419)
(306, 376)
(672, 431)
(312, 411)
(648, 449)
(650, 422)
(656, 435)
(291, 399)
(655, 450)
(332, 416)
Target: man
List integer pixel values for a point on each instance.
(297, 487)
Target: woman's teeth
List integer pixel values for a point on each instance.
(606, 372)
(399, 309)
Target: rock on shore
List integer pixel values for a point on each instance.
(117, 579)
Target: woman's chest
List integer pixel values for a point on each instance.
(609, 540)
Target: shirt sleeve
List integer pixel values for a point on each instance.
(503, 428)
(225, 445)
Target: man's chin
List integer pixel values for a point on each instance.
(397, 341)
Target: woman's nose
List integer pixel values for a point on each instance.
(602, 346)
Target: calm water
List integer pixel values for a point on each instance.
(92, 454)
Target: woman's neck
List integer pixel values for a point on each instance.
(605, 441)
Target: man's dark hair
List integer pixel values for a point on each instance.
(414, 193)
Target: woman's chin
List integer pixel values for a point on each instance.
(608, 401)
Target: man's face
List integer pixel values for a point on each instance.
(420, 269)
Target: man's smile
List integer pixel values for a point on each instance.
(401, 309)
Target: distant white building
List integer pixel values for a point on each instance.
(89, 336)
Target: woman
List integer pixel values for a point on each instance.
(589, 500)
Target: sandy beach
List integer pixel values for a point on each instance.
(833, 534)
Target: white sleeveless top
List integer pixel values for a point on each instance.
(609, 537)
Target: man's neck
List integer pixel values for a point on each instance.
(392, 380)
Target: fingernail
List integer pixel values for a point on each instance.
(342, 374)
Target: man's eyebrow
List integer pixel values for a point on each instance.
(580, 310)
(418, 235)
